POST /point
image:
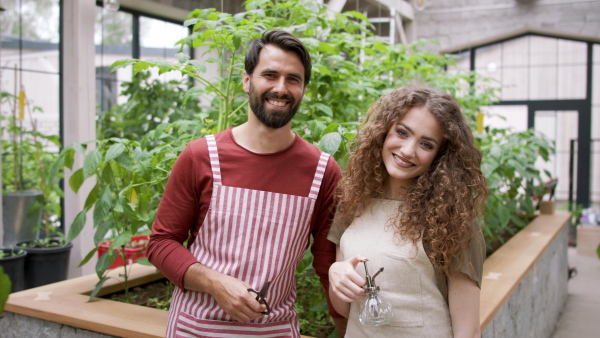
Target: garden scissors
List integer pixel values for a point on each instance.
(260, 297)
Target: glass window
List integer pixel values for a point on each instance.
(158, 41)
(113, 38)
(488, 63)
(560, 127)
(29, 55)
(544, 68)
(513, 117)
(515, 69)
(572, 64)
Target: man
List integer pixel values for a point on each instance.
(248, 198)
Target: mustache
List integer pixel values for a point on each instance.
(280, 97)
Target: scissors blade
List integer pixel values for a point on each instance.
(265, 289)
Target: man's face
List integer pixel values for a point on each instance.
(276, 87)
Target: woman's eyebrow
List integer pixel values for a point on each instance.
(412, 132)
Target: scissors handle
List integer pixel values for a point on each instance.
(261, 299)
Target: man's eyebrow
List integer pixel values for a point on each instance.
(412, 132)
(269, 70)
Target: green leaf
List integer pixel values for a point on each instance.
(98, 285)
(327, 110)
(5, 286)
(114, 151)
(330, 143)
(69, 158)
(237, 41)
(88, 257)
(322, 306)
(103, 205)
(101, 231)
(144, 261)
(76, 180)
(91, 162)
(92, 197)
(182, 57)
(76, 226)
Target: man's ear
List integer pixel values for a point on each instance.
(246, 82)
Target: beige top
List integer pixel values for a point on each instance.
(418, 294)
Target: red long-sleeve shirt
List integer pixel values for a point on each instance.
(188, 193)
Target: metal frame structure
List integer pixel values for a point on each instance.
(582, 106)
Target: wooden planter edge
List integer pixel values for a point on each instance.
(66, 302)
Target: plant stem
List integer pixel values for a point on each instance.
(125, 279)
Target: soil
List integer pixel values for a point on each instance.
(155, 295)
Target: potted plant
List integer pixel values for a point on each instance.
(12, 262)
(31, 202)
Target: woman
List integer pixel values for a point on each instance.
(410, 202)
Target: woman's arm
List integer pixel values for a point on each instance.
(463, 296)
(345, 284)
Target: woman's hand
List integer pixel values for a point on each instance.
(344, 281)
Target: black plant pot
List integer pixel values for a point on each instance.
(46, 265)
(14, 267)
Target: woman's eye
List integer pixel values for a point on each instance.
(428, 146)
(401, 132)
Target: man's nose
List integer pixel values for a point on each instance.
(280, 87)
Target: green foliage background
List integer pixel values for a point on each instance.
(352, 68)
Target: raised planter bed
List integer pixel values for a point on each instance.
(523, 292)
(524, 286)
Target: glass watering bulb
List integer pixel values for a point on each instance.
(374, 310)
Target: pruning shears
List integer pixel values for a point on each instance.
(260, 297)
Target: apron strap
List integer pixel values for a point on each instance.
(319, 173)
(213, 154)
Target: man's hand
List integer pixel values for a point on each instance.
(344, 281)
(231, 294)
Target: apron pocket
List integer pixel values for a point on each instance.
(404, 291)
(190, 326)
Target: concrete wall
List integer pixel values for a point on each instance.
(533, 309)
(14, 325)
(458, 22)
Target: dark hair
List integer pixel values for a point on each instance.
(283, 40)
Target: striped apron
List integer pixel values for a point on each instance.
(257, 237)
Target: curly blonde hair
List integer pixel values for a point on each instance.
(441, 205)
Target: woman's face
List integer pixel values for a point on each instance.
(410, 147)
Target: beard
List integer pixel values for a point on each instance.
(273, 118)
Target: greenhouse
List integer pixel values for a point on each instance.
(104, 103)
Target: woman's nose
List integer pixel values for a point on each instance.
(408, 149)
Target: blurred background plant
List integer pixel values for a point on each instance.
(27, 159)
